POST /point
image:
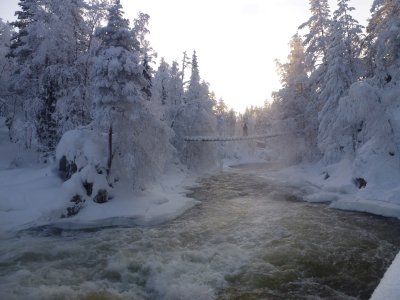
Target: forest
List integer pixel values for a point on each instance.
(81, 87)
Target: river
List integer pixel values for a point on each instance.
(249, 238)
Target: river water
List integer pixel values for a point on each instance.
(248, 239)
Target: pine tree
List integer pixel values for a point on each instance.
(342, 71)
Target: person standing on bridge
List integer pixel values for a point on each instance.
(245, 129)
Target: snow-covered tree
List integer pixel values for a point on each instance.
(221, 112)
(293, 102)
(6, 68)
(138, 146)
(25, 16)
(194, 89)
(147, 53)
(62, 79)
(221, 108)
(175, 86)
(160, 83)
(317, 39)
(316, 44)
(50, 39)
(382, 42)
(119, 77)
(195, 117)
(292, 98)
(74, 108)
(68, 24)
(24, 82)
(342, 70)
(175, 94)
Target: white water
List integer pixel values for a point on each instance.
(248, 239)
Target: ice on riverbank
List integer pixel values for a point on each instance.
(338, 184)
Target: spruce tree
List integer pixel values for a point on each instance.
(342, 70)
(194, 88)
(317, 39)
(316, 42)
(138, 144)
(119, 78)
(382, 42)
(293, 100)
(147, 54)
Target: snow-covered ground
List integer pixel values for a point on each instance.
(32, 194)
(35, 196)
(334, 184)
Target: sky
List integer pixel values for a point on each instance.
(237, 41)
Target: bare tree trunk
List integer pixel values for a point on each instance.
(26, 130)
(110, 150)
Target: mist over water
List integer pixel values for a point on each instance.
(248, 239)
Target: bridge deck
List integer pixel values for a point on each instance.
(228, 138)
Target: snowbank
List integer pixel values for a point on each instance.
(389, 288)
(35, 195)
(159, 203)
(337, 185)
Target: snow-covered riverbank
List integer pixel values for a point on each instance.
(35, 196)
(337, 184)
(389, 288)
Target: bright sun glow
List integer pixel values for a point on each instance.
(237, 41)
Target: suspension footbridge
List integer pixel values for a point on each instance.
(229, 138)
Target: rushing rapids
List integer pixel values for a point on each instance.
(247, 239)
